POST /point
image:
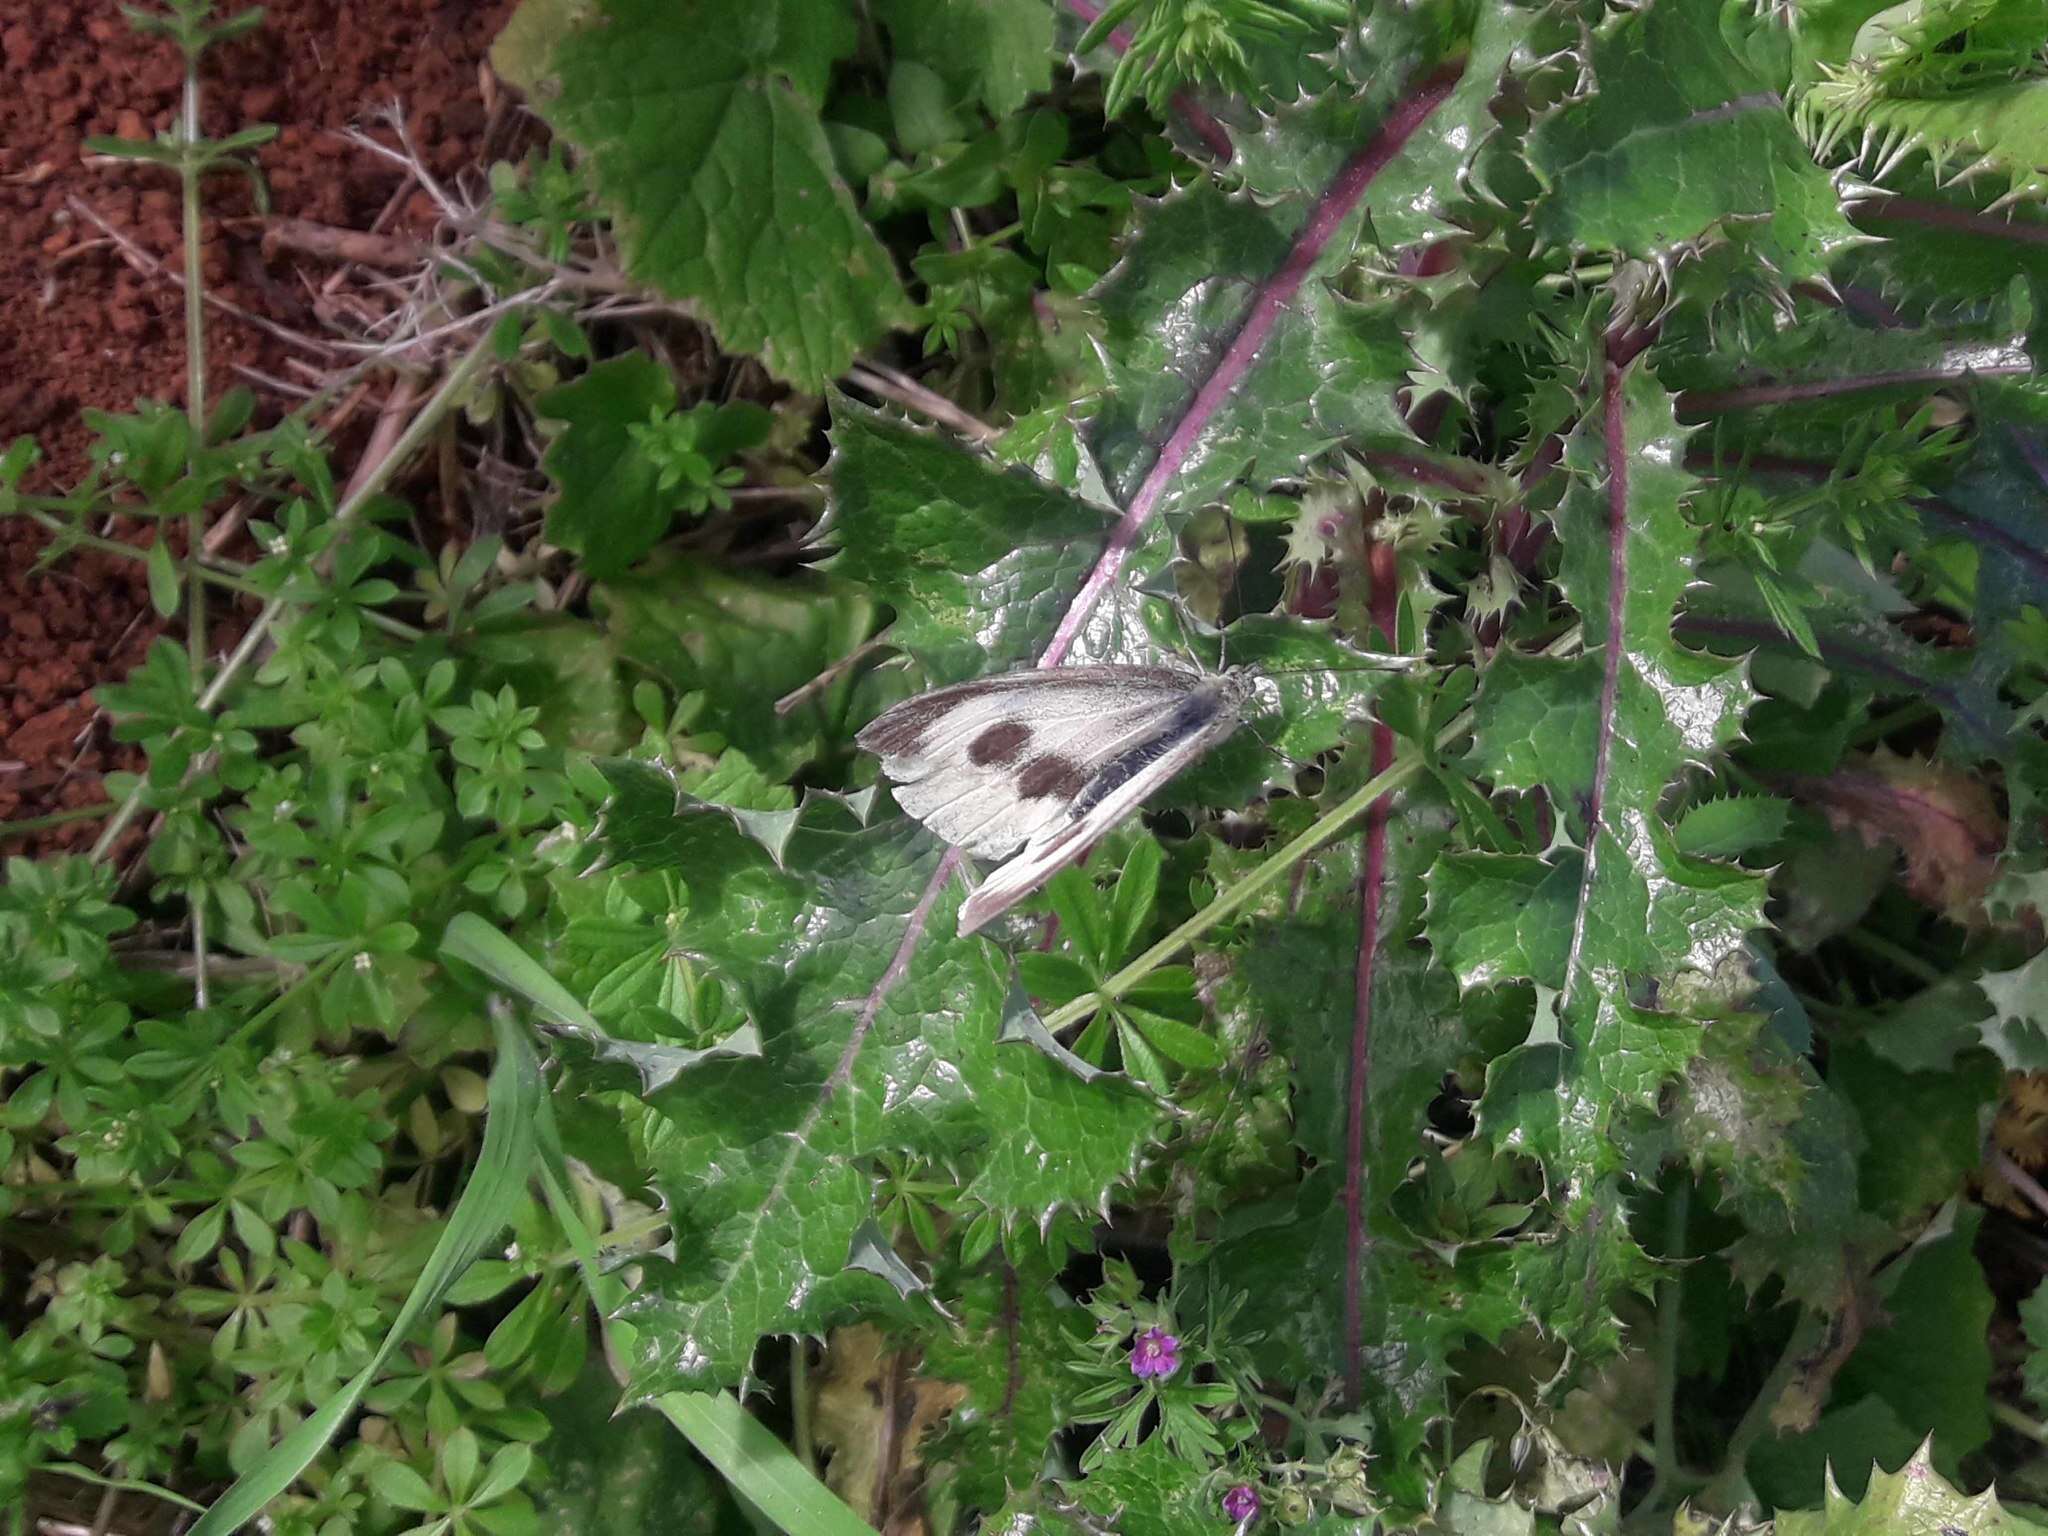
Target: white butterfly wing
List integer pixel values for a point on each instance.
(1046, 759)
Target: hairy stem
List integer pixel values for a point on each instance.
(189, 175)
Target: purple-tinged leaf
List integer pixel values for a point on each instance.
(1227, 349)
(1618, 911)
(1680, 139)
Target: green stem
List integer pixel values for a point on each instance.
(1724, 1491)
(1252, 886)
(1670, 1297)
(2013, 1419)
(222, 573)
(454, 389)
(190, 170)
(1895, 954)
(57, 819)
(119, 1484)
(800, 1401)
(1273, 870)
(1909, 713)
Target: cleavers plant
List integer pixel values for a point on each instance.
(1580, 1071)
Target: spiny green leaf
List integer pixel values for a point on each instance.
(768, 1162)
(1915, 1497)
(977, 562)
(1682, 139)
(1728, 827)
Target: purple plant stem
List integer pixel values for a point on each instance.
(1382, 570)
(1347, 189)
(1614, 427)
(1910, 210)
(1709, 402)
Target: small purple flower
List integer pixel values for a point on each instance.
(1241, 1503)
(1155, 1353)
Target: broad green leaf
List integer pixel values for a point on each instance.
(617, 1474)
(998, 53)
(1929, 1363)
(703, 129)
(1682, 139)
(608, 506)
(741, 642)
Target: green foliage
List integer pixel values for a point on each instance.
(1682, 140)
(1533, 1076)
(1960, 81)
(643, 91)
(627, 462)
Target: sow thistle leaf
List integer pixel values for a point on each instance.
(1366, 1302)
(1390, 61)
(1010, 1351)
(768, 1164)
(1221, 310)
(1914, 1498)
(1681, 138)
(680, 115)
(1171, 309)
(978, 562)
(1615, 907)
(1726, 612)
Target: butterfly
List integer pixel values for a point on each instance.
(1046, 760)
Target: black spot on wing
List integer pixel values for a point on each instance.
(1003, 742)
(1051, 776)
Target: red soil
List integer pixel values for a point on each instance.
(80, 328)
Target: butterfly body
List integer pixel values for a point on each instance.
(1046, 760)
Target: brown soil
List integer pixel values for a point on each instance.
(80, 328)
